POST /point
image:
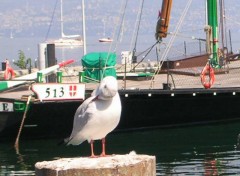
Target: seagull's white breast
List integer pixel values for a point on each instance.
(105, 119)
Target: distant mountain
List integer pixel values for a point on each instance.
(31, 18)
(24, 17)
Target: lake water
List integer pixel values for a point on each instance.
(199, 150)
(10, 47)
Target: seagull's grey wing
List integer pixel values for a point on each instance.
(81, 117)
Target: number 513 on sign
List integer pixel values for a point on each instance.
(59, 91)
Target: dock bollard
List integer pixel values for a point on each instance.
(120, 165)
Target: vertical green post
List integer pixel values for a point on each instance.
(213, 22)
(39, 77)
(59, 77)
(81, 75)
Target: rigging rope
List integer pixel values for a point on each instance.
(164, 56)
(148, 51)
(137, 26)
(50, 25)
(122, 15)
(121, 23)
(236, 22)
(180, 35)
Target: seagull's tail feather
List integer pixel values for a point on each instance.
(67, 140)
(72, 140)
(64, 141)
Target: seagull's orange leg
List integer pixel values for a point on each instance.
(103, 147)
(92, 149)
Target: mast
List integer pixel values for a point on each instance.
(222, 23)
(224, 37)
(163, 20)
(83, 26)
(104, 28)
(212, 18)
(61, 18)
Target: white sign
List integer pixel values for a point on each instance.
(59, 91)
(6, 107)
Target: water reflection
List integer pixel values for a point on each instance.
(206, 150)
(225, 163)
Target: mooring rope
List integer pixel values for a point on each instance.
(23, 120)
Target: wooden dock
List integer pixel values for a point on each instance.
(178, 78)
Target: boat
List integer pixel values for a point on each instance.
(194, 102)
(66, 40)
(105, 40)
(16, 97)
(175, 94)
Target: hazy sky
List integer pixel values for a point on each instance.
(31, 18)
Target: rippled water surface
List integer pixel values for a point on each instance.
(199, 150)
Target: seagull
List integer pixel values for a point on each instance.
(97, 116)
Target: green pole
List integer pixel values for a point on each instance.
(39, 77)
(59, 77)
(213, 22)
(81, 75)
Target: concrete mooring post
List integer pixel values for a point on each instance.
(114, 165)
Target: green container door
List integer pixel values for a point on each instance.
(99, 65)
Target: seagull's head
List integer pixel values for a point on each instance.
(107, 88)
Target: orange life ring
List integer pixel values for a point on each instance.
(9, 73)
(207, 70)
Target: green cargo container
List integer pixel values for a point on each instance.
(98, 65)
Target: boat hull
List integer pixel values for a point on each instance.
(105, 40)
(169, 108)
(141, 109)
(48, 119)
